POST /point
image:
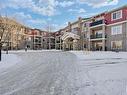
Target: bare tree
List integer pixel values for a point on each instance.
(18, 28)
(6, 27)
(3, 32)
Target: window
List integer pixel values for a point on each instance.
(85, 29)
(117, 15)
(99, 32)
(116, 30)
(36, 40)
(84, 45)
(87, 35)
(75, 30)
(84, 35)
(116, 44)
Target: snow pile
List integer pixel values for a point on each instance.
(9, 60)
(99, 54)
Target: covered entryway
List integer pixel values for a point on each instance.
(70, 41)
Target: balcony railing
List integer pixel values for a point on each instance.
(57, 41)
(96, 36)
(96, 23)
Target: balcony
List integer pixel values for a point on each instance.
(57, 41)
(95, 23)
(96, 36)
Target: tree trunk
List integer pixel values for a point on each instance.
(7, 50)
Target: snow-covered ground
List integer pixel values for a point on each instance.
(64, 73)
(99, 54)
(9, 60)
(102, 73)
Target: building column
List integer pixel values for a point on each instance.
(89, 39)
(33, 43)
(64, 45)
(103, 40)
(75, 44)
(49, 43)
(55, 43)
(41, 42)
(60, 42)
(89, 44)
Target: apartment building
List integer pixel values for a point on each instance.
(58, 40)
(116, 29)
(85, 34)
(105, 31)
(34, 40)
(97, 33)
(48, 40)
(38, 39)
(68, 38)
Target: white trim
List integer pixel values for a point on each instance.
(97, 39)
(69, 34)
(117, 23)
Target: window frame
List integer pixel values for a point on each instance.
(115, 29)
(116, 47)
(116, 12)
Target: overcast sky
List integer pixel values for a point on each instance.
(37, 13)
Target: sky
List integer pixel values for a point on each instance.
(57, 13)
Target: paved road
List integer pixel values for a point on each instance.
(44, 73)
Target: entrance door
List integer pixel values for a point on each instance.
(71, 47)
